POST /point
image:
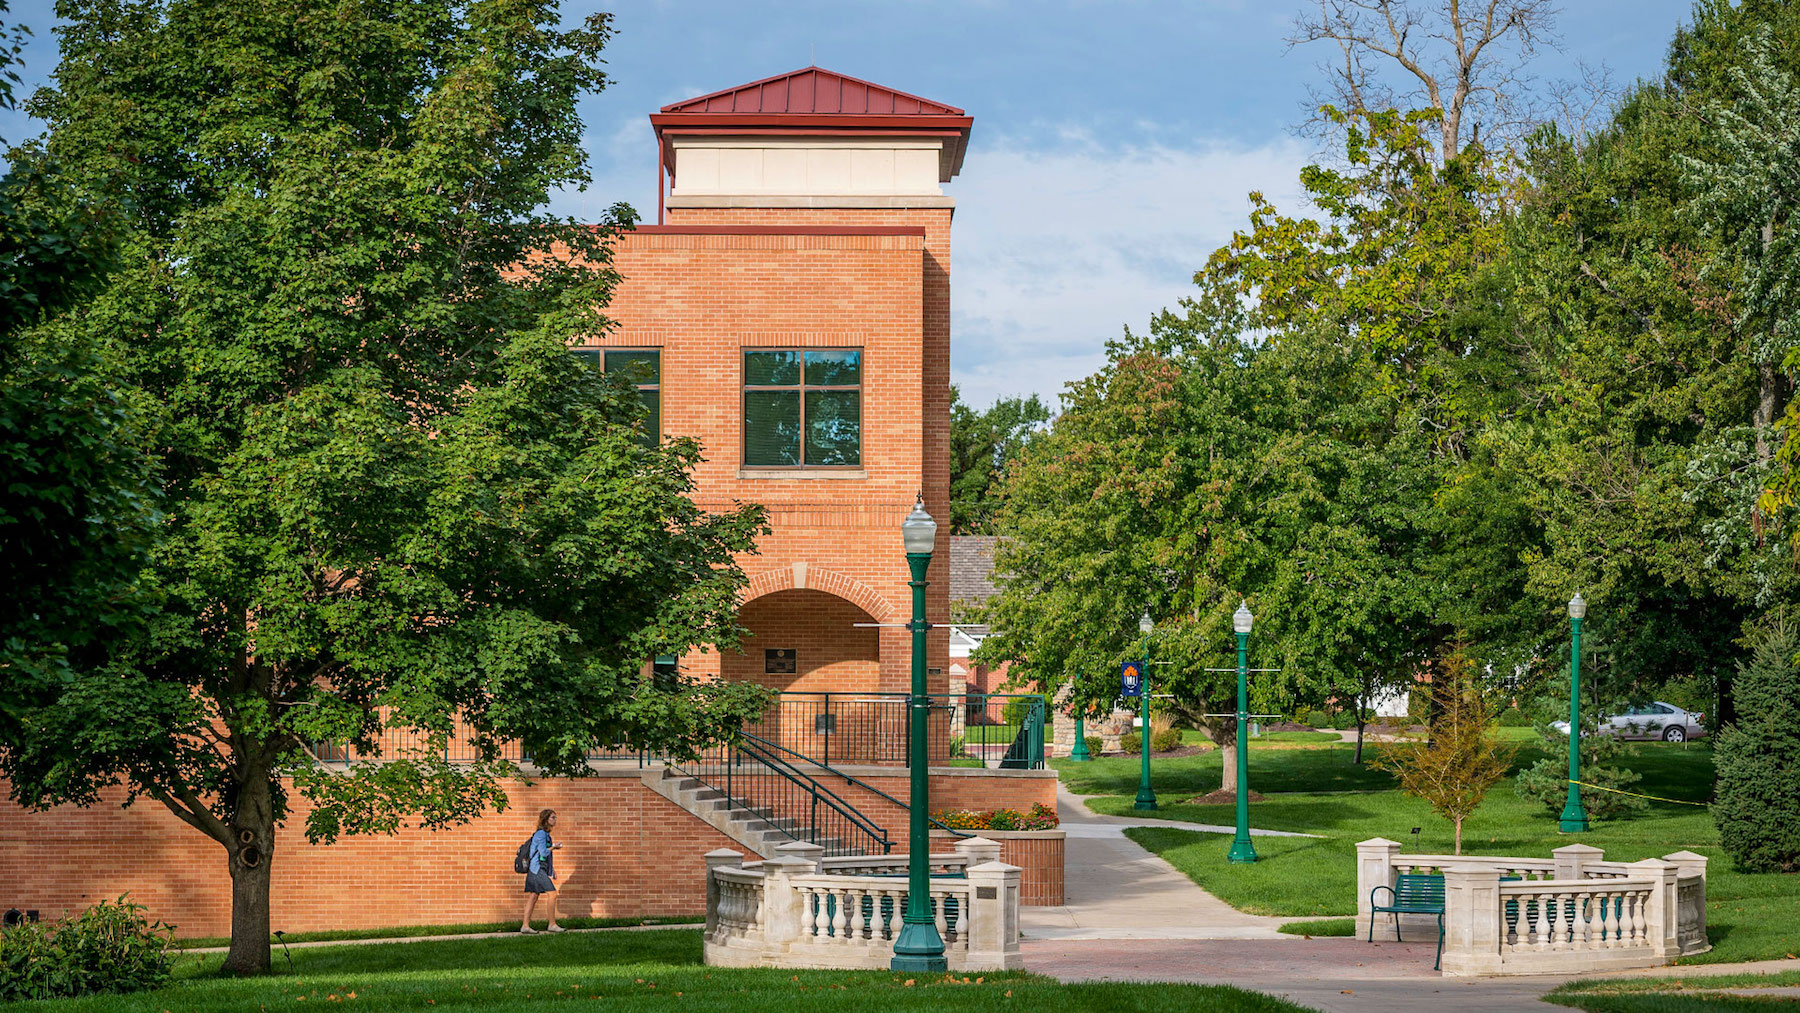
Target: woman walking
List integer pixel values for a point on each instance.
(540, 877)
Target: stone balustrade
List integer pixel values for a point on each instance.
(800, 909)
(1570, 913)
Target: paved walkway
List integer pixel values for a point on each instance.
(1130, 916)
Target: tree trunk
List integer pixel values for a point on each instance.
(1360, 723)
(249, 856)
(1458, 850)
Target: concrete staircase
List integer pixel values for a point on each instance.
(760, 829)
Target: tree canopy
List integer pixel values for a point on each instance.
(395, 509)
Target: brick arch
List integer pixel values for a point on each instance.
(787, 578)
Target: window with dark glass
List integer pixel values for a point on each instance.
(641, 366)
(803, 408)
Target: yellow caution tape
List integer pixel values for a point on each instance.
(1633, 794)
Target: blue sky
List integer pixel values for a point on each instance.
(1113, 146)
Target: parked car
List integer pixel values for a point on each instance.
(1653, 720)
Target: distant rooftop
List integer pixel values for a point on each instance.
(972, 568)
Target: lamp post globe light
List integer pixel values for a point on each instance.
(919, 947)
(1146, 799)
(1574, 818)
(1241, 848)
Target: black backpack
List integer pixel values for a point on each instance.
(522, 860)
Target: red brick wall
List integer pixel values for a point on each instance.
(702, 299)
(631, 853)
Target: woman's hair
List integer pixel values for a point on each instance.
(544, 817)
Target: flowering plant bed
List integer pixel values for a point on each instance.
(1039, 817)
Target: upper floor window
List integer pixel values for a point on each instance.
(641, 366)
(803, 408)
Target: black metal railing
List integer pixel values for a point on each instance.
(874, 728)
(833, 772)
(769, 792)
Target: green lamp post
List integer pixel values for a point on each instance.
(1146, 799)
(1241, 848)
(919, 947)
(1574, 816)
(1080, 753)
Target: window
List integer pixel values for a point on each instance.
(641, 366)
(803, 408)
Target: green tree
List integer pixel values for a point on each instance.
(982, 445)
(1758, 761)
(74, 496)
(394, 501)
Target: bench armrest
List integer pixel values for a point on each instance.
(1391, 895)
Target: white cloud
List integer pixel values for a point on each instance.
(1054, 251)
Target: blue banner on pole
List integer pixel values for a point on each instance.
(1131, 678)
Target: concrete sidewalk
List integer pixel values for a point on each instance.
(1130, 916)
(1115, 889)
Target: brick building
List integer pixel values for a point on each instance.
(791, 310)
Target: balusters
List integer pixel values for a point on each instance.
(840, 918)
(1640, 933)
(822, 914)
(855, 899)
(1609, 926)
(962, 919)
(1584, 913)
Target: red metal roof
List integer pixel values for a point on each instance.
(815, 101)
(813, 90)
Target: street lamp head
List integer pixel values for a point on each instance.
(1577, 606)
(1145, 623)
(918, 531)
(1242, 619)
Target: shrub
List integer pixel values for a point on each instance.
(1758, 761)
(1005, 819)
(1096, 745)
(1316, 719)
(1016, 710)
(1165, 740)
(110, 947)
(1547, 780)
(1131, 742)
(1452, 770)
(1513, 717)
(957, 748)
(1342, 720)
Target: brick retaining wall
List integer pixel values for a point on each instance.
(633, 853)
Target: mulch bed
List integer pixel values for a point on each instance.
(1223, 797)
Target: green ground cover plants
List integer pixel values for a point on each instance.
(626, 970)
(1318, 791)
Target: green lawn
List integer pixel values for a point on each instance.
(1663, 995)
(627, 970)
(1319, 791)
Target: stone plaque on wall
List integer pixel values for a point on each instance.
(779, 661)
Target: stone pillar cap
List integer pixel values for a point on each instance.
(1378, 842)
(978, 842)
(724, 853)
(1685, 856)
(994, 868)
(800, 848)
(1578, 849)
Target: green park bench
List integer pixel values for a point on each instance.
(1412, 895)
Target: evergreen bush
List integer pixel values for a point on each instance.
(1163, 740)
(1513, 717)
(1602, 758)
(1755, 803)
(1096, 745)
(1131, 742)
(1316, 719)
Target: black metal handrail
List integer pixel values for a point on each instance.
(853, 779)
(790, 801)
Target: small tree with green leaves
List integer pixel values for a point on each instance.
(1455, 766)
(1758, 761)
